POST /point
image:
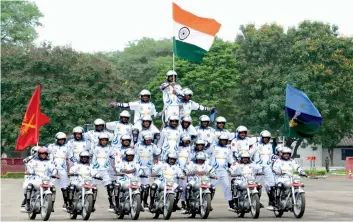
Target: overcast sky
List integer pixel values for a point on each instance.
(108, 25)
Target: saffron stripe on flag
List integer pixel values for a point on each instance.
(205, 25)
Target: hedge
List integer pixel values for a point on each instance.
(13, 175)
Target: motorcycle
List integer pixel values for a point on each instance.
(42, 200)
(164, 199)
(129, 198)
(200, 197)
(246, 196)
(82, 201)
(290, 196)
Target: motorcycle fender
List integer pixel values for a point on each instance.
(253, 191)
(170, 191)
(137, 191)
(300, 190)
(88, 192)
(206, 191)
(47, 192)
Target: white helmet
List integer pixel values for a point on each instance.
(279, 149)
(99, 122)
(200, 156)
(85, 153)
(185, 137)
(199, 141)
(147, 136)
(172, 155)
(187, 92)
(125, 137)
(221, 119)
(223, 136)
(35, 149)
(204, 118)
(103, 136)
(77, 129)
(187, 119)
(125, 114)
(173, 117)
(129, 152)
(242, 129)
(287, 150)
(60, 135)
(172, 73)
(145, 92)
(265, 133)
(147, 118)
(245, 154)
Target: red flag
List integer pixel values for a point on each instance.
(33, 120)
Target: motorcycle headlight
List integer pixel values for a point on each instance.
(251, 182)
(134, 181)
(205, 181)
(45, 181)
(296, 181)
(88, 182)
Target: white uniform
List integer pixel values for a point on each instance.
(93, 135)
(76, 147)
(245, 170)
(207, 134)
(168, 96)
(167, 171)
(240, 146)
(59, 156)
(84, 170)
(116, 154)
(191, 131)
(122, 165)
(152, 130)
(169, 141)
(39, 169)
(184, 156)
(28, 161)
(144, 155)
(221, 157)
(119, 129)
(140, 109)
(263, 155)
(286, 167)
(100, 162)
(187, 106)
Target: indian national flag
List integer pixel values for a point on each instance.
(193, 35)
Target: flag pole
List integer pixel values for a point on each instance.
(173, 62)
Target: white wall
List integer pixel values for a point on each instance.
(337, 156)
(308, 151)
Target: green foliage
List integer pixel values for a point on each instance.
(18, 22)
(13, 175)
(76, 89)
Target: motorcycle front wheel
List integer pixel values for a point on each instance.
(299, 208)
(255, 206)
(168, 208)
(206, 206)
(87, 208)
(136, 207)
(47, 207)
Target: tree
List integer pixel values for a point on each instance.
(312, 58)
(76, 89)
(18, 22)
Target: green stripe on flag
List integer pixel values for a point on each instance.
(188, 51)
(299, 129)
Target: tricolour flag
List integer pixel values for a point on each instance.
(302, 119)
(193, 35)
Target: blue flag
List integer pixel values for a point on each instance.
(213, 115)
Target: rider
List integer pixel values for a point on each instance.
(205, 132)
(170, 89)
(144, 152)
(199, 147)
(221, 159)
(40, 167)
(100, 162)
(184, 152)
(220, 125)
(170, 170)
(285, 166)
(121, 127)
(241, 143)
(77, 144)
(195, 168)
(128, 167)
(93, 135)
(263, 155)
(146, 125)
(27, 161)
(170, 137)
(187, 127)
(246, 169)
(84, 169)
(59, 154)
(187, 105)
(144, 107)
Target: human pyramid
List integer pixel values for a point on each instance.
(114, 152)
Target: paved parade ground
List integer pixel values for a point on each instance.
(328, 199)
